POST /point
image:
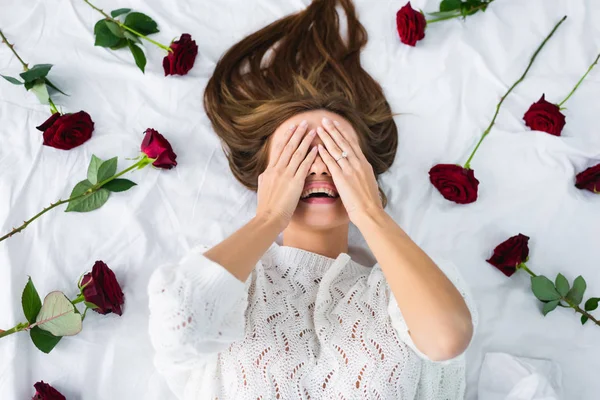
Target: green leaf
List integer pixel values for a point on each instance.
(31, 302)
(122, 43)
(119, 11)
(119, 185)
(107, 169)
(41, 92)
(550, 306)
(36, 72)
(575, 295)
(449, 5)
(562, 285)
(45, 341)
(138, 55)
(12, 80)
(88, 202)
(47, 82)
(58, 316)
(29, 85)
(104, 36)
(141, 23)
(132, 37)
(115, 29)
(92, 172)
(543, 288)
(592, 303)
(584, 319)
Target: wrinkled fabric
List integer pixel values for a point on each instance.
(444, 90)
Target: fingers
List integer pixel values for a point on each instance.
(292, 145)
(278, 146)
(337, 137)
(350, 138)
(300, 153)
(306, 164)
(332, 165)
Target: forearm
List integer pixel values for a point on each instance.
(240, 252)
(435, 312)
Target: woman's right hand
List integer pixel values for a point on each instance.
(281, 183)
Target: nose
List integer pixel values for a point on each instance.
(318, 167)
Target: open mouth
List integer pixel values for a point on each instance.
(319, 195)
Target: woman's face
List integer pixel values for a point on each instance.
(316, 212)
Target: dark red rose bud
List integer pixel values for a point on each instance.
(509, 254)
(410, 24)
(454, 182)
(100, 287)
(156, 146)
(546, 117)
(183, 56)
(589, 179)
(68, 130)
(46, 392)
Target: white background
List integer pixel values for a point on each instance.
(445, 91)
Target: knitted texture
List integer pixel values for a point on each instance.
(303, 326)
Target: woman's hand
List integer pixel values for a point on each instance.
(353, 176)
(280, 185)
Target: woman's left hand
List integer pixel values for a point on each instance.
(352, 175)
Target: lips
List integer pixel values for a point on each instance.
(324, 186)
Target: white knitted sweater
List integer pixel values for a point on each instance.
(303, 326)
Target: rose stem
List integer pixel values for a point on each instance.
(580, 81)
(122, 25)
(53, 108)
(12, 48)
(459, 15)
(523, 266)
(20, 327)
(489, 128)
(143, 162)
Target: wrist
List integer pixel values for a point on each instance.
(272, 220)
(368, 216)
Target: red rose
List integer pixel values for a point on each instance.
(546, 117)
(589, 179)
(410, 24)
(181, 59)
(46, 392)
(454, 182)
(100, 287)
(509, 254)
(68, 130)
(156, 146)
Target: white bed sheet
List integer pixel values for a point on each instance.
(446, 90)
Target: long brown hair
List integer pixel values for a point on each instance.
(297, 64)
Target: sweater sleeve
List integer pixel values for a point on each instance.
(197, 310)
(400, 326)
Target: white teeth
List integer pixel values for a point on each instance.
(328, 191)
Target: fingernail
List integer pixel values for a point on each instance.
(320, 147)
(312, 132)
(303, 123)
(292, 126)
(320, 129)
(314, 149)
(326, 121)
(336, 123)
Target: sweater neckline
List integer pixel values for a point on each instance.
(293, 256)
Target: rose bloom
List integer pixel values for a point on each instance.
(589, 179)
(454, 182)
(410, 24)
(101, 288)
(156, 146)
(510, 253)
(43, 391)
(183, 56)
(544, 116)
(68, 130)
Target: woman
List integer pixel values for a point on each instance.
(308, 129)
